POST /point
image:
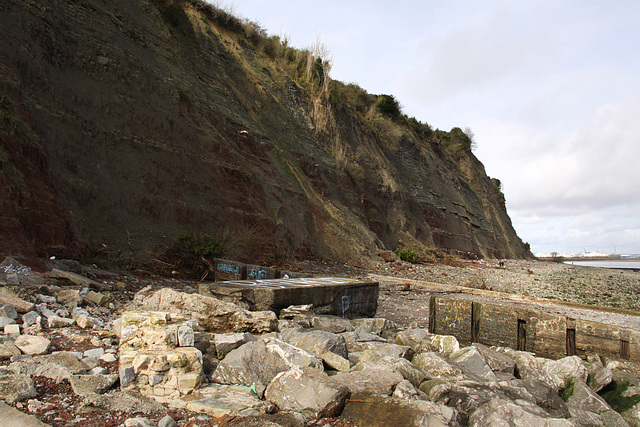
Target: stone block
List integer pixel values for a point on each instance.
(59, 322)
(308, 391)
(20, 305)
(185, 336)
(76, 279)
(98, 298)
(190, 381)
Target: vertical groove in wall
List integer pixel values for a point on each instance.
(522, 335)
(475, 321)
(571, 336)
(432, 314)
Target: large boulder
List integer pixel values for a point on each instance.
(333, 324)
(598, 375)
(218, 400)
(83, 385)
(32, 344)
(387, 350)
(530, 366)
(438, 366)
(408, 370)
(308, 391)
(579, 395)
(257, 363)
(361, 341)
(316, 342)
(372, 325)
(412, 337)
(505, 412)
(383, 411)
(212, 314)
(370, 378)
(563, 370)
(224, 343)
(471, 360)
(546, 396)
(444, 344)
(498, 362)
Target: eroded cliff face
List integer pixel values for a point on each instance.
(128, 122)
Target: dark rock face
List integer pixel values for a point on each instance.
(126, 123)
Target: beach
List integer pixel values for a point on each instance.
(406, 304)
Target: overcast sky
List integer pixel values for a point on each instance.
(550, 88)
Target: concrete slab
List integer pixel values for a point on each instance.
(350, 298)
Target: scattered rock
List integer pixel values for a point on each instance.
(85, 384)
(32, 344)
(77, 279)
(8, 310)
(58, 366)
(12, 417)
(16, 388)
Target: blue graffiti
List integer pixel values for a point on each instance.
(229, 268)
(258, 274)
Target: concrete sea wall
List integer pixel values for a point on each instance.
(547, 331)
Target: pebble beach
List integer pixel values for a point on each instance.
(541, 279)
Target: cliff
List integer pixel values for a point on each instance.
(125, 124)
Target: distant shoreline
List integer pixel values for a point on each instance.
(598, 258)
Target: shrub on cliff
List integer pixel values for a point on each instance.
(407, 254)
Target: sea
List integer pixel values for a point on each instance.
(626, 264)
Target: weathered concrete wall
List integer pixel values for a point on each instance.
(341, 297)
(521, 326)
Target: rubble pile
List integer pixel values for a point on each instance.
(73, 354)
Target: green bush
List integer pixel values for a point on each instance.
(389, 106)
(407, 254)
(209, 246)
